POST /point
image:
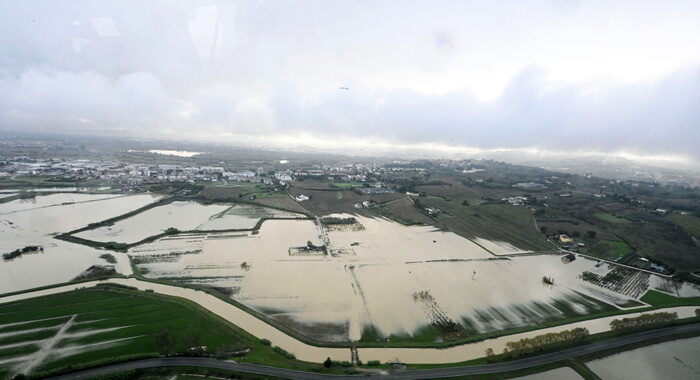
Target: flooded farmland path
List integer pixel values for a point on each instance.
(310, 353)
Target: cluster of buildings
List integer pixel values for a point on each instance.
(133, 174)
(365, 204)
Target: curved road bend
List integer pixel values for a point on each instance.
(417, 374)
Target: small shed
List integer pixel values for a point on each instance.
(568, 258)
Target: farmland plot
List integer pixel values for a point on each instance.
(87, 326)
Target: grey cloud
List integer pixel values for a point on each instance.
(265, 69)
(661, 117)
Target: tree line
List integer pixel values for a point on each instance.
(531, 345)
(642, 321)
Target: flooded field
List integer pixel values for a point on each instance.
(35, 221)
(563, 373)
(666, 285)
(51, 200)
(671, 360)
(381, 280)
(184, 216)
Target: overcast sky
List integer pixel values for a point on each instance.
(604, 76)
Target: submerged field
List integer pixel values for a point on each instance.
(671, 360)
(383, 281)
(84, 327)
(183, 216)
(36, 220)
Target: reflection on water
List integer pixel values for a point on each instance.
(671, 360)
(563, 373)
(310, 353)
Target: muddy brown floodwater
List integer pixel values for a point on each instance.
(35, 221)
(380, 274)
(311, 353)
(678, 359)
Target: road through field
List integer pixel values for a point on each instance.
(414, 374)
(309, 353)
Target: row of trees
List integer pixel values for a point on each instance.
(330, 220)
(530, 345)
(20, 251)
(328, 363)
(642, 321)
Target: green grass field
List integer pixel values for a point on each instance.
(611, 218)
(654, 298)
(619, 248)
(110, 324)
(93, 318)
(689, 223)
(611, 249)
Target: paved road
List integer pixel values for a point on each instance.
(417, 374)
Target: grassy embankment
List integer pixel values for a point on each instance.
(659, 299)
